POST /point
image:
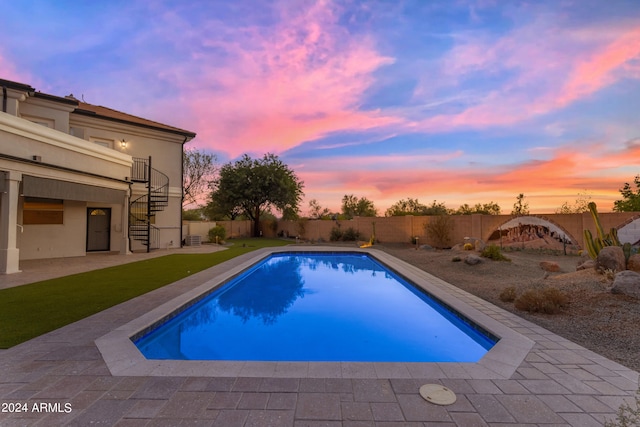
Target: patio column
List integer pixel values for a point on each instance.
(124, 240)
(9, 192)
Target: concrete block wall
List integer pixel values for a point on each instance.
(401, 229)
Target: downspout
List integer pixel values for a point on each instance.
(4, 99)
(182, 189)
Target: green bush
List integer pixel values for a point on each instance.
(627, 415)
(217, 234)
(493, 252)
(350, 235)
(335, 235)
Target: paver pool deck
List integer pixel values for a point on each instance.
(63, 378)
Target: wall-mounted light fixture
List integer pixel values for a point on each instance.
(123, 143)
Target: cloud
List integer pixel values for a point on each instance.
(530, 71)
(602, 67)
(272, 88)
(8, 70)
(561, 176)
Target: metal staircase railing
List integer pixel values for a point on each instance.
(142, 210)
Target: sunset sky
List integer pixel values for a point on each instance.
(459, 101)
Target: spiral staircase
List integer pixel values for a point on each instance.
(142, 210)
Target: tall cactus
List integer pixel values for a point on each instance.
(595, 244)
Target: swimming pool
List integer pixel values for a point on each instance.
(324, 306)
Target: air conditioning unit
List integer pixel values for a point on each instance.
(192, 240)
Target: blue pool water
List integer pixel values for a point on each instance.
(317, 307)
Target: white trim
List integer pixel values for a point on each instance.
(27, 129)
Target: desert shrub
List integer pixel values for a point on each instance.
(493, 252)
(350, 235)
(217, 231)
(302, 227)
(627, 416)
(508, 294)
(468, 247)
(335, 235)
(439, 230)
(546, 300)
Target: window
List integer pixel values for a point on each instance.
(42, 211)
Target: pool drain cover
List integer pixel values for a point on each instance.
(437, 394)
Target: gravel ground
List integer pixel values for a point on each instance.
(595, 318)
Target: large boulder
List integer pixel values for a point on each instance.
(611, 258)
(628, 283)
(634, 263)
(550, 266)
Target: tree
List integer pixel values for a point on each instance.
(490, 208)
(437, 208)
(316, 211)
(520, 207)
(353, 206)
(581, 205)
(406, 207)
(198, 171)
(217, 211)
(255, 185)
(630, 198)
(192, 214)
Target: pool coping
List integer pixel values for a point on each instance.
(124, 359)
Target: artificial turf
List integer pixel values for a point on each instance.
(31, 310)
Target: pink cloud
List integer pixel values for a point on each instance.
(8, 70)
(603, 67)
(280, 86)
(546, 67)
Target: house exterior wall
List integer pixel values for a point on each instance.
(66, 160)
(44, 111)
(59, 148)
(165, 150)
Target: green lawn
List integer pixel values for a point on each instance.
(31, 310)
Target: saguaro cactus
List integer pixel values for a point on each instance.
(595, 244)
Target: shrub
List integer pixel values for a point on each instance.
(439, 230)
(350, 235)
(302, 227)
(627, 416)
(335, 235)
(493, 252)
(468, 247)
(219, 232)
(456, 259)
(508, 294)
(547, 300)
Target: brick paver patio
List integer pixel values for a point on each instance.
(61, 378)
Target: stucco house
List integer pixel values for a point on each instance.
(78, 178)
